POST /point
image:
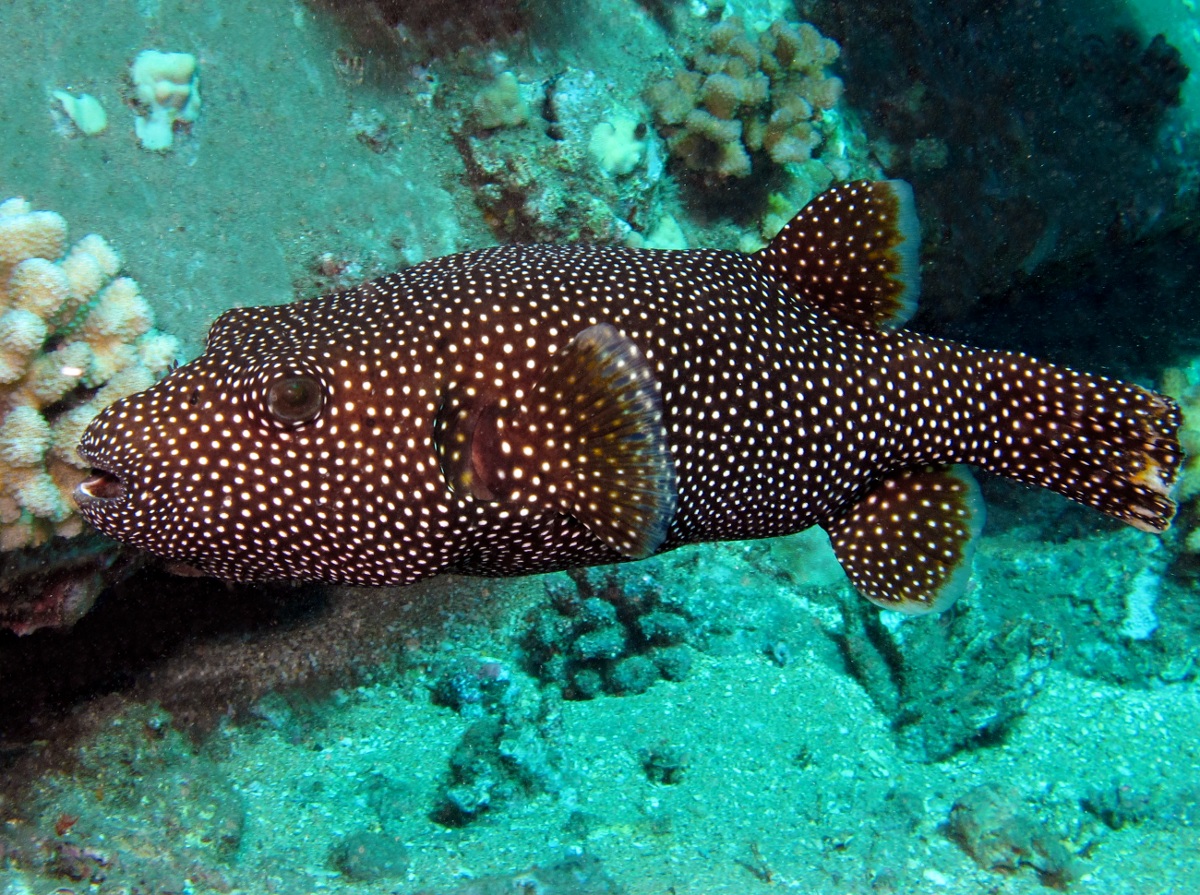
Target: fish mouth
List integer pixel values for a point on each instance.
(101, 486)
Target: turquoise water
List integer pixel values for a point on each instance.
(722, 718)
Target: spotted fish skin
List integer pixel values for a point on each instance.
(531, 408)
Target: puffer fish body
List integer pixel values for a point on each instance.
(531, 408)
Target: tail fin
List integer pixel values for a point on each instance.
(1102, 443)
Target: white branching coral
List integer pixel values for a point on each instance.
(72, 340)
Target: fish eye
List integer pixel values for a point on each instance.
(295, 399)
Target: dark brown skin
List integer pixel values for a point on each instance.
(533, 408)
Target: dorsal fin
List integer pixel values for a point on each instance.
(852, 252)
(590, 442)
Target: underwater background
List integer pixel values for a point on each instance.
(724, 718)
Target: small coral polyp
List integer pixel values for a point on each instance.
(74, 337)
(745, 95)
(167, 89)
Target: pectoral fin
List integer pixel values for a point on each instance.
(589, 441)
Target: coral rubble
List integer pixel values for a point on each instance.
(500, 104)
(951, 687)
(72, 340)
(85, 112)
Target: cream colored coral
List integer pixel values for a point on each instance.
(88, 266)
(21, 336)
(500, 104)
(617, 147)
(168, 90)
(102, 347)
(126, 381)
(66, 432)
(85, 112)
(51, 376)
(112, 325)
(158, 352)
(24, 437)
(749, 95)
(29, 234)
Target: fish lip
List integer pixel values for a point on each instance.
(102, 486)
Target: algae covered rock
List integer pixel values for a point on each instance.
(497, 760)
(991, 824)
(950, 686)
(559, 160)
(365, 857)
(600, 632)
(507, 752)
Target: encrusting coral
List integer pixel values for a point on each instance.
(72, 340)
(500, 104)
(747, 95)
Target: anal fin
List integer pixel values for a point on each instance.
(908, 545)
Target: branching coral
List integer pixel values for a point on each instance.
(72, 340)
(748, 96)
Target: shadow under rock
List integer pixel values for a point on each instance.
(133, 627)
(206, 651)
